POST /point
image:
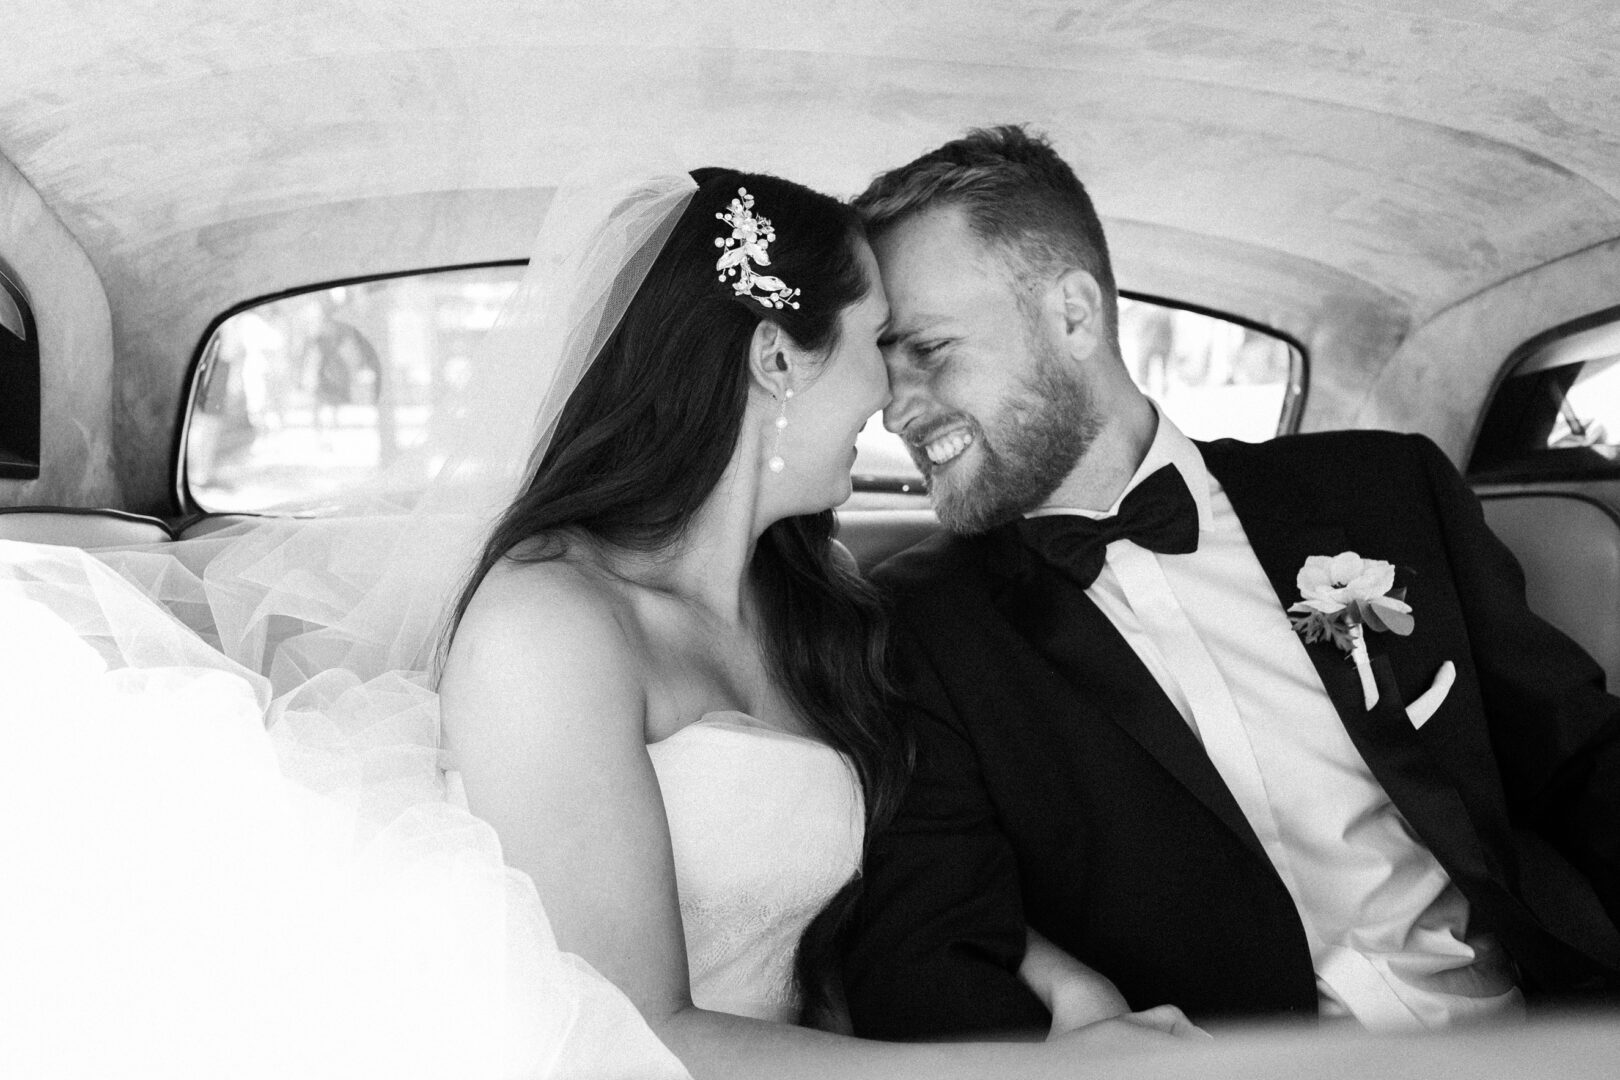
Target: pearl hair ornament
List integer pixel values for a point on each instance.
(748, 246)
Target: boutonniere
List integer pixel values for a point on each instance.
(1342, 597)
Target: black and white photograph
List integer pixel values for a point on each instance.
(681, 540)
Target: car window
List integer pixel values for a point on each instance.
(19, 381)
(1213, 376)
(299, 398)
(1557, 412)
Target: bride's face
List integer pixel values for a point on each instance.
(828, 412)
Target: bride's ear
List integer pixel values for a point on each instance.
(772, 359)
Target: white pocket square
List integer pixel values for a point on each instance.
(1429, 701)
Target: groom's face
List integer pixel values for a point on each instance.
(993, 413)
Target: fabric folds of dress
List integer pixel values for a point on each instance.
(230, 850)
(209, 874)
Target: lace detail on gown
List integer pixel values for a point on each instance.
(766, 827)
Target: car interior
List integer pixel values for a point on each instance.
(1420, 200)
(1403, 215)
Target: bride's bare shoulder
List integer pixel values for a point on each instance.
(544, 672)
(553, 620)
(558, 597)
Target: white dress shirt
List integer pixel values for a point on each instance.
(1388, 931)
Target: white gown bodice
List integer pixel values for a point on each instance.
(766, 827)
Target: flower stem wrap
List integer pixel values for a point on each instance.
(1358, 653)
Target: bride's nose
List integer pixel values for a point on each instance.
(883, 397)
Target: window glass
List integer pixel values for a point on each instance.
(19, 381)
(1558, 411)
(299, 398)
(302, 397)
(1589, 416)
(1213, 377)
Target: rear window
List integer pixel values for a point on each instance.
(1557, 412)
(300, 398)
(1214, 377)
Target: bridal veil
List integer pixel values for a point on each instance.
(229, 835)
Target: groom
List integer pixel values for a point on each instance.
(1121, 740)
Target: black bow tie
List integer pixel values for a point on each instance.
(1158, 514)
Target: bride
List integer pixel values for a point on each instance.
(651, 754)
(664, 686)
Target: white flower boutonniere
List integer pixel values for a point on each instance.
(1343, 596)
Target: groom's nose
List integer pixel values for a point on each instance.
(898, 412)
(905, 399)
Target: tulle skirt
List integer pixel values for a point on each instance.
(204, 874)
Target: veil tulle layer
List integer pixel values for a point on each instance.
(228, 830)
(368, 588)
(190, 894)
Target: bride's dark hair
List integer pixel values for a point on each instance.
(645, 437)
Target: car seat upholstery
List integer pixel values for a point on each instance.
(874, 535)
(1569, 546)
(80, 527)
(206, 523)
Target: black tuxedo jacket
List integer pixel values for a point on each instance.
(1056, 783)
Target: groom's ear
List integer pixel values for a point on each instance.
(1081, 311)
(771, 359)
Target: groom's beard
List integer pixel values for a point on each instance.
(1026, 451)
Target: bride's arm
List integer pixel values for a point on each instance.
(544, 706)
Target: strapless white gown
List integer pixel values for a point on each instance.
(766, 827)
(204, 878)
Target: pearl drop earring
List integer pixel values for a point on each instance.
(776, 463)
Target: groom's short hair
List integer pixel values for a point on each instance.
(1019, 197)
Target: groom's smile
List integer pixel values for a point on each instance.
(942, 443)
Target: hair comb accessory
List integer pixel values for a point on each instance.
(748, 246)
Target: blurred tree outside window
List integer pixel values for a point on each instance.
(300, 398)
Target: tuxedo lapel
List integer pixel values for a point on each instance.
(1284, 529)
(1053, 613)
(1285, 523)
